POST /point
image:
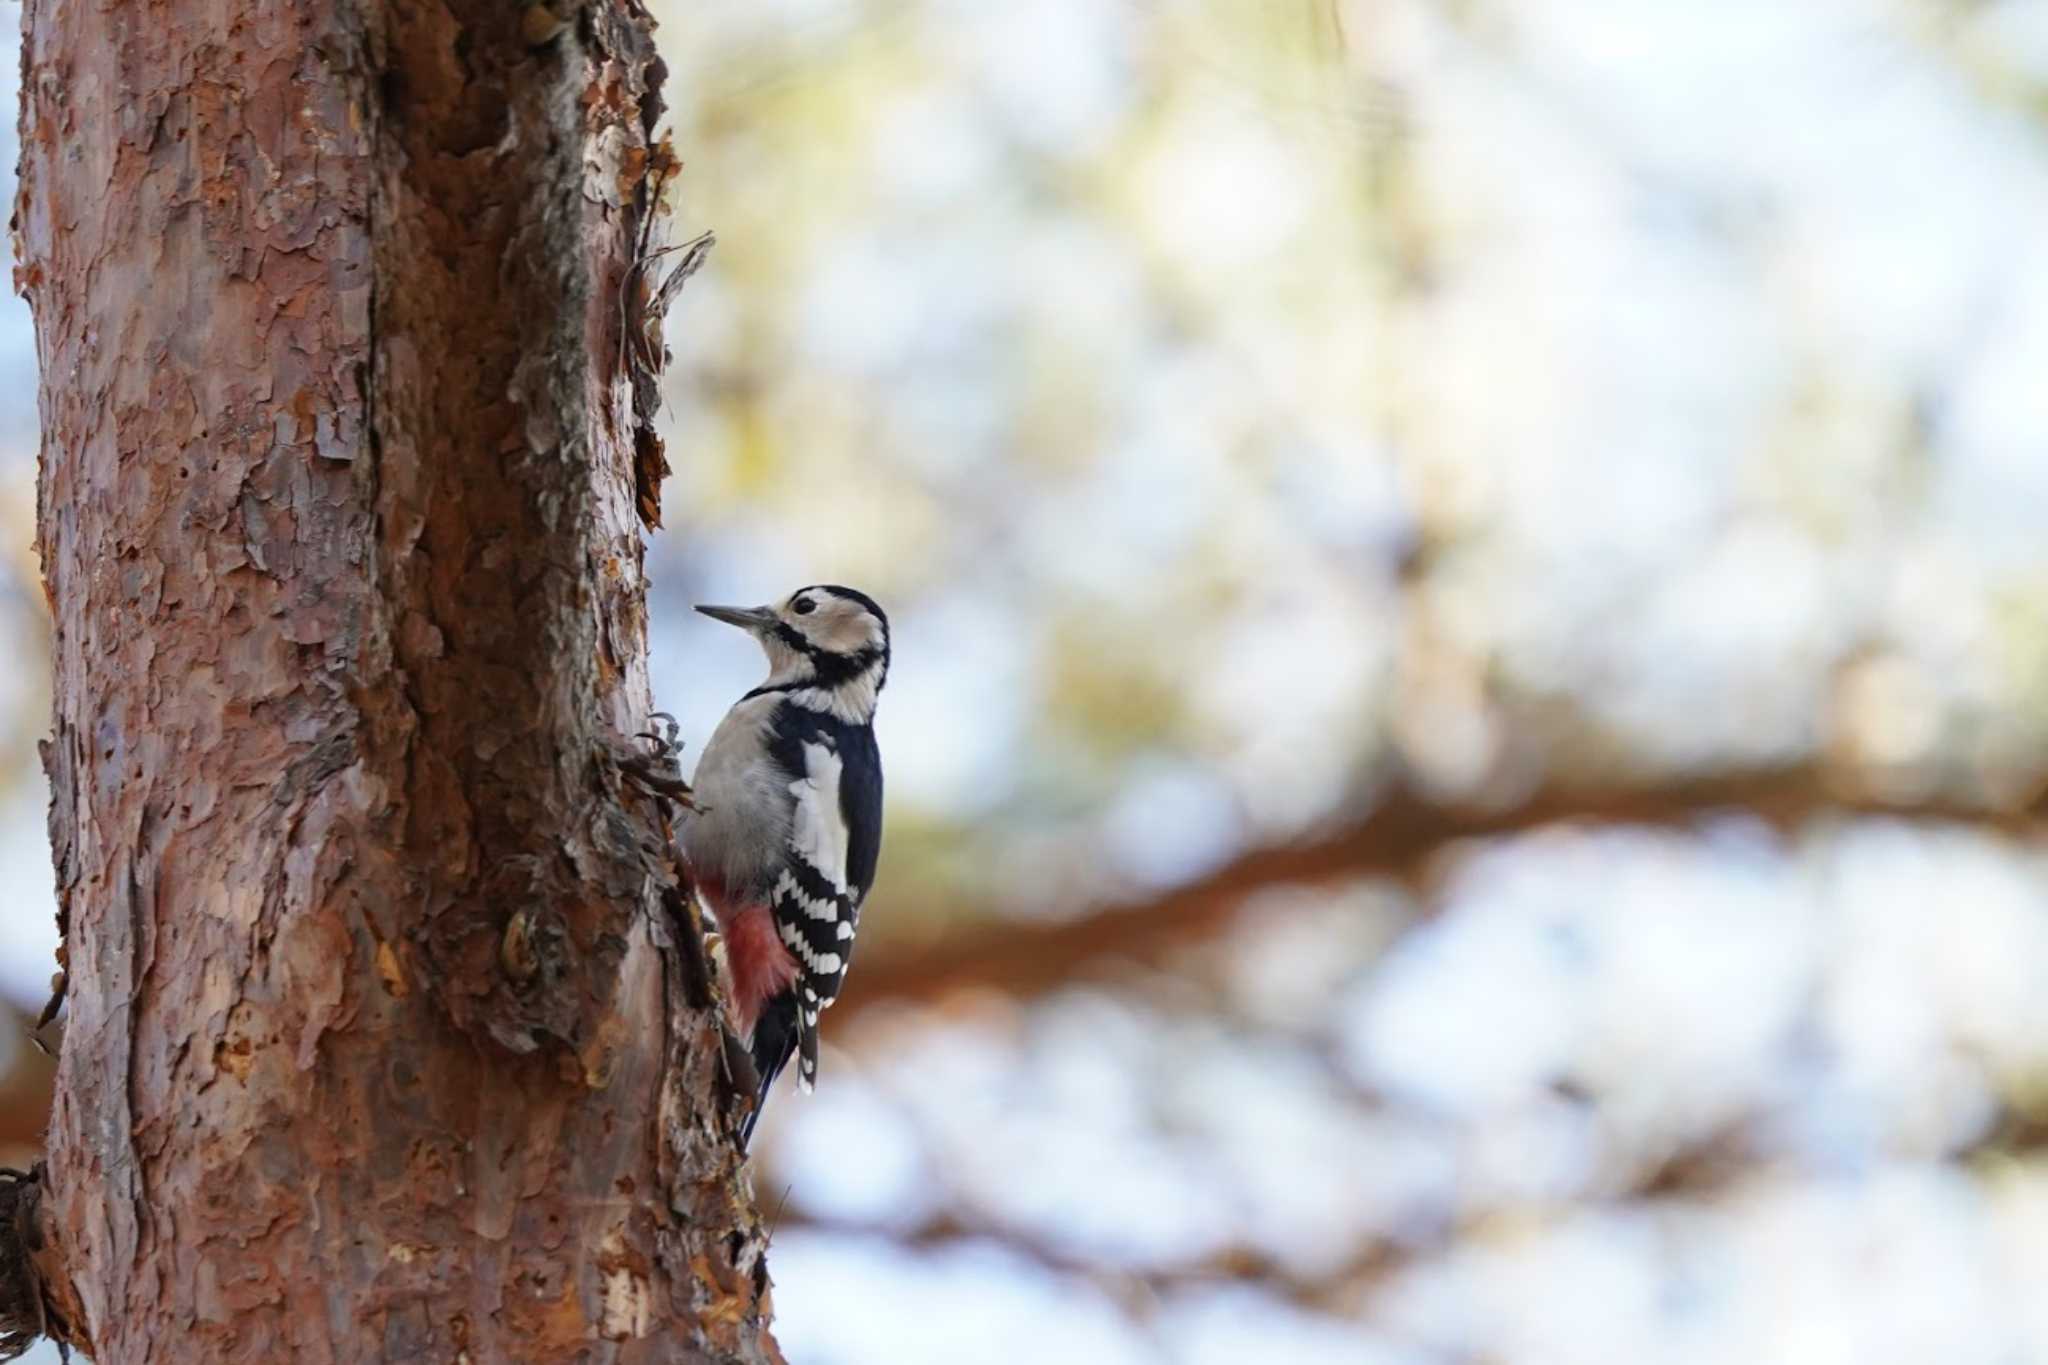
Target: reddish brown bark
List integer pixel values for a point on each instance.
(384, 1042)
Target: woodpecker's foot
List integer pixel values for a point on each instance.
(659, 770)
(663, 736)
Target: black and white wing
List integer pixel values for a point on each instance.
(835, 836)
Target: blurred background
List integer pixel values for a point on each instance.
(1469, 726)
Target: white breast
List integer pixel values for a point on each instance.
(739, 834)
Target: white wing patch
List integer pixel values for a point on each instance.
(818, 840)
(818, 832)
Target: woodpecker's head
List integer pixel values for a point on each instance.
(827, 646)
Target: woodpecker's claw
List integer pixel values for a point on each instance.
(659, 772)
(663, 737)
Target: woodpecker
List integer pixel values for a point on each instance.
(789, 826)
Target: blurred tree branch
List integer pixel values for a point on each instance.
(1697, 1174)
(1333, 1291)
(1404, 836)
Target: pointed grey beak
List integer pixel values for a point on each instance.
(746, 618)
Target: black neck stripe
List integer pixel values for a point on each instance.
(829, 673)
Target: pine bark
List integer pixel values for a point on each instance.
(389, 1036)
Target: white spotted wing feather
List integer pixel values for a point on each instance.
(815, 906)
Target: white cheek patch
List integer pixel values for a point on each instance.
(853, 633)
(818, 831)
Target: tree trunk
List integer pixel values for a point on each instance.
(390, 1033)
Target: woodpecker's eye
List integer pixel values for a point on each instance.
(803, 606)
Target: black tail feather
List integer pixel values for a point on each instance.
(774, 1044)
